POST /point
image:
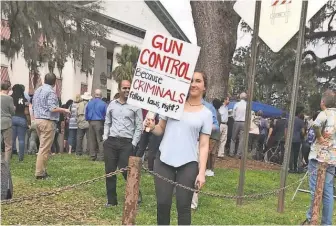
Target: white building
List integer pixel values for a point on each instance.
(129, 21)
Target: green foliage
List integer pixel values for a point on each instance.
(274, 78)
(51, 31)
(85, 205)
(275, 71)
(127, 61)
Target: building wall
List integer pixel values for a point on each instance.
(136, 13)
(19, 72)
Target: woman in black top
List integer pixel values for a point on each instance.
(21, 119)
(65, 119)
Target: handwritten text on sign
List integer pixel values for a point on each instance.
(163, 74)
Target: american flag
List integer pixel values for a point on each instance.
(280, 2)
(34, 81)
(4, 73)
(5, 31)
(58, 87)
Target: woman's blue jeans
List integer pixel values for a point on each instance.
(19, 126)
(72, 138)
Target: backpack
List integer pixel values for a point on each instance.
(310, 135)
(257, 121)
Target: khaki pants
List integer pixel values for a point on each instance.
(223, 138)
(96, 130)
(46, 132)
(213, 148)
(6, 134)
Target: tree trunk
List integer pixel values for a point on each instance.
(216, 26)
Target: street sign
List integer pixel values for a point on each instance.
(279, 19)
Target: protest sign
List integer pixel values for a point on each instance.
(163, 74)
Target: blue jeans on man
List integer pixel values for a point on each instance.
(328, 192)
(19, 127)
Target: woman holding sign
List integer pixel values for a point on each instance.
(177, 159)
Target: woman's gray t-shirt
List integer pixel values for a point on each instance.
(179, 143)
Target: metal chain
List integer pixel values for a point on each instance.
(62, 189)
(251, 196)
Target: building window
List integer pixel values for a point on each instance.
(83, 89)
(85, 58)
(108, 94)
(109, 64)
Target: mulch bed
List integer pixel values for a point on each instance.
(234, 163)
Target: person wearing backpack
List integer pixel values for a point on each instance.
(298, 133)
(254, 134)
(310, 139)
(83, 125)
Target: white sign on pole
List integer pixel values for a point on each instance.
(279, 19)
(163, 74)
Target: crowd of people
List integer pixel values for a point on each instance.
(182, 150)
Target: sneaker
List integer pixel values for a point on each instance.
(306, 222)
(209, 173)
(109, 205)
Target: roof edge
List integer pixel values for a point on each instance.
(167, 20)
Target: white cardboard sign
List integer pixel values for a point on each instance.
(163, 74)
(279, 19)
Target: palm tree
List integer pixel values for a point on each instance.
(127, 61)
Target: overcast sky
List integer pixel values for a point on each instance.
(181, 12)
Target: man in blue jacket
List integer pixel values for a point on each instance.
(95, 114)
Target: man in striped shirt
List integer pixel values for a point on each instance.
(46, 112)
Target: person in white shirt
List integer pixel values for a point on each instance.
(239, 111)
(254, 135)
(224, 112)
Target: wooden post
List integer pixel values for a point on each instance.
(132, 191)
(321, 174)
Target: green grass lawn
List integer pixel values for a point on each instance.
(86, 205)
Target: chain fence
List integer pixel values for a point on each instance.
(223, 196)
(62, 189)
(211, 194)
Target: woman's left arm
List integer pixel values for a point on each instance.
(27, 113)
(203, 157)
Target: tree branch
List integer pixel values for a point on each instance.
(321, 34)
(328, 58)
(317, 59)
(331, 19)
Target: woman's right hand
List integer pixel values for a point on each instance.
(149, 124)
